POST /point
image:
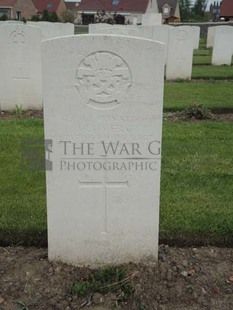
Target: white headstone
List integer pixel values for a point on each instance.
(180, 52)
(135, 20)
(151, 19)
(152, 7)
(103, 112)
(92, 27)
(197, 31)
(14, 22)
(161, 33)
(53, 30)
(20, 67)
(210, 37)
(158, 33)
(223, 46)
(129, 30)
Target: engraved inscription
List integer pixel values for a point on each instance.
(182, 35)
(103, 79)
(18, 36)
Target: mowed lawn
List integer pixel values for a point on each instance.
(197, 170)
(22, 193)
(215, 95)
(196, 184)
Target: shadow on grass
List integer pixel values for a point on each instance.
(227, 110)
(26, 238)
(35, 239)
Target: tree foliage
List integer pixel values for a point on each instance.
(190, 12)
(199, 8)
(46, 16)
(185, 9)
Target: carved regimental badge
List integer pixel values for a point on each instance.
(103, 80)
(18, 36)
(182, 35)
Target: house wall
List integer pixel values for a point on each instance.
(5, 11)
(26, 7)
(61, 8)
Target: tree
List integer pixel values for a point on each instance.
(68, 16)
(49, 17)
(199, 9)
(185, 9)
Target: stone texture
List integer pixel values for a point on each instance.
(20, 67)
(53, 30)
(182, 41)
(103, 203)
(210, 37)
(158, 33)
(151, 19)
(223, 46)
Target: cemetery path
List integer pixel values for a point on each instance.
(184, 279)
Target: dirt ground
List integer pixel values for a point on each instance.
(5, 115)
(184, 279)
(173, 116)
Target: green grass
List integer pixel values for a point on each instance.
(202, 43)
(214, 95)
(197, 182)
(201, 60)
(81, 29)
(106, 280)
(196, 186)
(22, 193)
(212, 72)
(201, 52)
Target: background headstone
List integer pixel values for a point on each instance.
(20, 67)
(197, 31)
(158, 33)
(223, 46)
(53, 30)
(210, 36)
(103, 203)
(180, 52)
(151, 19)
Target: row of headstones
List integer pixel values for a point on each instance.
(220, 38)
(103, 103)
(49, 30)
(20, 61)
(179, 43)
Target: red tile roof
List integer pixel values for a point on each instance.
(226, 8)
(7, 3)
(49, 5)
(108, 5)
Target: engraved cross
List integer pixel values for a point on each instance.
(106, 185)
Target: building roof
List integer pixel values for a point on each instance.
(226, 8)
(114, 5)
(49, 5)
(172, 3)
(7, 3)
